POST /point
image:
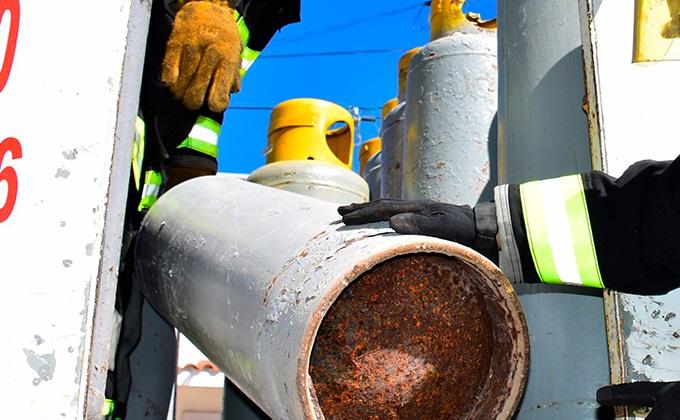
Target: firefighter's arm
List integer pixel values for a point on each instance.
(586, 229)
(594, 230)
(202, 58)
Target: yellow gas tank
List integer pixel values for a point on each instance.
(311, 129)
(368, 149)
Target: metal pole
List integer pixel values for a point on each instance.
(543, 133)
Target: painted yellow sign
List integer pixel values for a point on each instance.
(657, 30)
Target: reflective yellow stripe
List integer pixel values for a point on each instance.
(248, 56)
(153, 182)
(559, 233)
(107, 407)
(243, 31)
(138, 151)
(203, 137)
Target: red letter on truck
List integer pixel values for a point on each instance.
(11, 6)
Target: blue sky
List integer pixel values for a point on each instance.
(361, 79)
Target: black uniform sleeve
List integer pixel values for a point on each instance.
(635, 222)
(636, 226)
(264, 17)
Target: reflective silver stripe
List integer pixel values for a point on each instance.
(151, 190)
(138, 151)
(204, 134)
(203, 137)
(248, 57)
(245, 64)
(152, 186)
(508, 255)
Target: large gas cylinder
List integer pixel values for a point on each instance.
(392, 133)
(312, 318)
(366, 151)
(451, 102)
(392, 156)
(310, 150)
(369, 165)
(372, 175)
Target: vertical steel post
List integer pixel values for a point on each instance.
(543, 133)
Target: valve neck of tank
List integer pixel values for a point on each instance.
(446, 17)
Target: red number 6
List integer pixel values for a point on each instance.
(13, 7)
(9, 175)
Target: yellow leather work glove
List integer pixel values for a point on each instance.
(203, 55)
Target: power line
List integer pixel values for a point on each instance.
(331, 53)
(356, 22)
(252, 108)
(269, 108)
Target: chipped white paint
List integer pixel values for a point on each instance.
(653, 336)
(70, 101)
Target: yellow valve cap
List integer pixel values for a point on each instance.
(368, 149)
(311, 129)
(657, 30)
(404, 61)
(388, 107)
(446, 16)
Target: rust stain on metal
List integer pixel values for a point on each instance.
(291, 261)
(415, 337)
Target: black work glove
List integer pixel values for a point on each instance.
(663, 397)
(475, 228)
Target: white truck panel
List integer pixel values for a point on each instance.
(70, 100)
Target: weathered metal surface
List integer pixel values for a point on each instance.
(372, 175)
(450, 135)
(413, 339)
(392, 154)
(543, 133)
(72, 177)
(542, 127)
(633, 116)
(325, 181)
(248, 273)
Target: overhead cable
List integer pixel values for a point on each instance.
(330, 53)
(324, 31)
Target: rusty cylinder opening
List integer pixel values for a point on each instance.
(420, 336)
